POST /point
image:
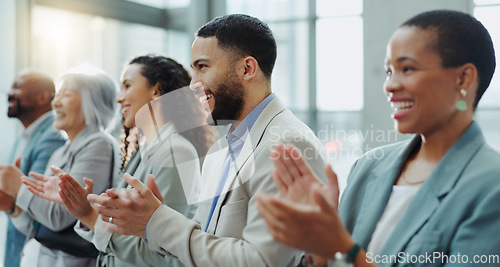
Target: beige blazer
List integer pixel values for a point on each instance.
(237, 235)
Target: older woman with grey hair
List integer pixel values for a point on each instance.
(84, 106)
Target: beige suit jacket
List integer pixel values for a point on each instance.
(237, 235)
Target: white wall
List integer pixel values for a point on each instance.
(8, 127)
(381, 18)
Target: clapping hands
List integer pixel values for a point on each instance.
(306, 216)
(127, 211)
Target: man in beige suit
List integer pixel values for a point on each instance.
(233, 57)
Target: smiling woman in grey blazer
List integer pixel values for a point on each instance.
(84, 106)
(429, 201)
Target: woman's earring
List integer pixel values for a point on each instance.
(461, 105)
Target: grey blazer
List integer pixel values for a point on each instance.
(237, 235)
(456, 210)
(88, 155)
(173, 163)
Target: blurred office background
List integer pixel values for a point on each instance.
(329, 70)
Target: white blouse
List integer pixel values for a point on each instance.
(397, 204)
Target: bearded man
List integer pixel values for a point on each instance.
(233, 58)
(30, 102)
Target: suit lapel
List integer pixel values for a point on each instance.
(26, 154)
(212, 183)
(212, 169)
(436, 187)
(373, 205)
(244, 163)
(243, 170)
(234, 178)
(12, 157)
(377, 193)
(245, 160)
(421, 208)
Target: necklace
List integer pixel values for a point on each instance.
(411, 182)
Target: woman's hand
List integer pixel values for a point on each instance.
(45, 186)
(316, 229)
(74, 195)
(306, 215)
(130, 209)
(295, 180)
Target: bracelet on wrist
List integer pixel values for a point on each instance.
(12, 210)
(351, 254)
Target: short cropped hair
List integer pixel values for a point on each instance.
(43, 81)
(245, 36)
(461, 39)
(98, 93)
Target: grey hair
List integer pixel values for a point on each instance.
(98, 93)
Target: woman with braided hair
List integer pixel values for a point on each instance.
(164, 126)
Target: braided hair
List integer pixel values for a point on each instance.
(129, 144)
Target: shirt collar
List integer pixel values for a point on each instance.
(241, 132)
(30, 130)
